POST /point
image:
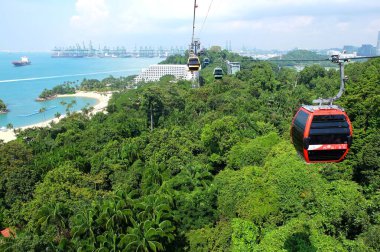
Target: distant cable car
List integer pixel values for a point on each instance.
(206, 61)
(321, 133)
(193, 63)
(218, 73)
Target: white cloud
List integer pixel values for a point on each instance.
(91, 14)
(290, 24)
(280, 25)
(343, 26)
(170, 20)
(374, 25)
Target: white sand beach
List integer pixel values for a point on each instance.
(8, 134)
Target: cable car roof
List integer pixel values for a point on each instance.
(322, 108)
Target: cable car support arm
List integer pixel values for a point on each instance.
(343, 79)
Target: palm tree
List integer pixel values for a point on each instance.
(154, 207)
(142, 236)
(150, 227)
(108, 241)
(90, 109)
(57, 115)
(9, 126)
(84, 225)
(56, 215)
(86, 110)
(69, 106)
(152, 102)
(115, 214)
(73, 102)
(42, 110)
(99, 228)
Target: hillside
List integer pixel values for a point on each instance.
(172, 168)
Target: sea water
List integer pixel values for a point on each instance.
(20, 86)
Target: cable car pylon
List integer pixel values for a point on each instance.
(193, 62)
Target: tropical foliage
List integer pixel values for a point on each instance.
(65, 88)
(3, 107)
(176, 168)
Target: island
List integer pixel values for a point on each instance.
(3, 107)
(48, 94)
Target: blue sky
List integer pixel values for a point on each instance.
(39, 25)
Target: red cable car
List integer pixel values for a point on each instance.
(321, 133)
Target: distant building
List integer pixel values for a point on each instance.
(378, 44)
(155, 72)
(367, 50)
(350, 49)
(233, 67)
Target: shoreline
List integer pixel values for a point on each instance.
(102, 101)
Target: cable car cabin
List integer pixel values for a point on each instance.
(321, 133)
(206, 61)
(218, 73)
(193, 63)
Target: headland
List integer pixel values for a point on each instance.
(102, 101)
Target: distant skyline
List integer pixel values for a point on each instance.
(39, 25)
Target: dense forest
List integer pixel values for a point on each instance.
(175, 168)
(108, 84)
(296, 57)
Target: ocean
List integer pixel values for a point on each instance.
(20, 86)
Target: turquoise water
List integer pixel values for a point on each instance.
(20, 86)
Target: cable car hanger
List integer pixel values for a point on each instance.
(343, 79)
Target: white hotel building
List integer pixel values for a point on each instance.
(155, 72)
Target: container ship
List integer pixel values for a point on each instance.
(24, 61)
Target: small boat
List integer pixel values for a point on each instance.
(24, 61)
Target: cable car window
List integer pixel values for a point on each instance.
(328, 139)
(325, 155)
(333, 118)
(298, 130)
(329, 129)
(327, 124)
(193, 61)
(301, 119)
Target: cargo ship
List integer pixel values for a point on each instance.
(24, 61)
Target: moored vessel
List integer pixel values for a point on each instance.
(22, 62)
